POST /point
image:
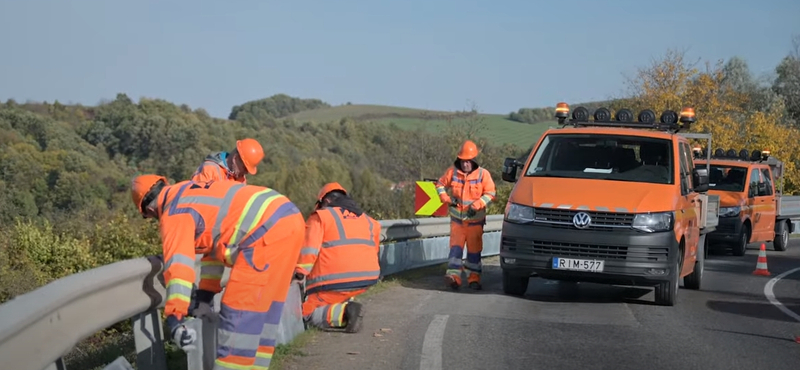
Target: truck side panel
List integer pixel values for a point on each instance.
(788, 206)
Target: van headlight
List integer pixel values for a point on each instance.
(653, 222)
(729, 211)
(519, 213)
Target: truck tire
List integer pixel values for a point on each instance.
(695, 279)
(740, 248)
(781, 236)
(514, 284)
(666, 292)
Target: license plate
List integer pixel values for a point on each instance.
(578, 264)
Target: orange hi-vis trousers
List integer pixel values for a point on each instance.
(472, 235)
(326, 309)
(254, 297)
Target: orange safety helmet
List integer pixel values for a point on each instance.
(141, 185)
(251, 153)
(468, 151)
(329, 187)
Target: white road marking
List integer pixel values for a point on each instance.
(771, 296)
(432, 344)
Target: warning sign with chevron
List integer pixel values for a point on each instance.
(426, 200)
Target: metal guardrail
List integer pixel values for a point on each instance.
(38, 328)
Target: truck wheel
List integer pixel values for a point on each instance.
(514, 284)
(666, 292)
(695, 279)
(741, 246)
(781, 236)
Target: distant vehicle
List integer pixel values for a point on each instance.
(609, 201)
(752, 207)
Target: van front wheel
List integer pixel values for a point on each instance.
(666, 292)
(515, 285)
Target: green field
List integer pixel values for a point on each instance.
(495, 127)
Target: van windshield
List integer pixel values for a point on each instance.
(605, 157)
(726, 178)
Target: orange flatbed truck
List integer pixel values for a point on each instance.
(609, 201)
(753, 208)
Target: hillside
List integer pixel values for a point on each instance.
(497, 128)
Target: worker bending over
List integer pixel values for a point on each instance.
(339, 259)
(472, 190)
(256, 231)
(231, 165)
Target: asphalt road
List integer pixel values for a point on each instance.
(728, 324)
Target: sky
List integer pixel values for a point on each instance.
(500, 55)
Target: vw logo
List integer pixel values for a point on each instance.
(581, 220)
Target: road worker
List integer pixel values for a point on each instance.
(472, 190)
(339, 260)
(244, 159)
(254, 230)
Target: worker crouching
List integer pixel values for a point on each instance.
(472, 190)
(254, 230)
(339, 260)
(244, 159)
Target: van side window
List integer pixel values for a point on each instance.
(689, 164)
(767, 176)
(684, 170)
(754, 180)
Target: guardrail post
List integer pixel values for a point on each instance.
(148, 335)
(203, 357)
(57, 365)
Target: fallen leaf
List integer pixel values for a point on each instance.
(353, 353)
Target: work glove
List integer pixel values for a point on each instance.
(184, 337)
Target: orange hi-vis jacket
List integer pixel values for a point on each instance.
(340, 251)
(475, 187)
(222, 220)
(214, 168)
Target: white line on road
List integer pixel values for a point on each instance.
(432, 344)
(771, 296)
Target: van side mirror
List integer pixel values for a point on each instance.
(762, 189)
(700, 180)
(510, 170)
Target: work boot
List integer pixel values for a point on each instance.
(353, 313)
(475, 285)
(451, 282)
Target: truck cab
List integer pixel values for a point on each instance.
(608, 201)
(752, 208)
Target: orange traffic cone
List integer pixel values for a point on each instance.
(761, 265)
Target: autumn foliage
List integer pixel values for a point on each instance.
(733, 117)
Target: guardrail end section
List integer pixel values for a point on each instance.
(148, 336)
(119, 364)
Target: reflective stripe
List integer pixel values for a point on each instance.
(179, 259)
(216, 231)
(343, 275)
(212, 270)
(179, 289)
(222, 365)
(336, 315)
(343, 239)
(309, 251)
(252, 213)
